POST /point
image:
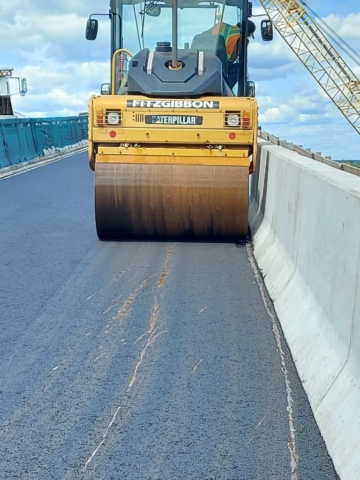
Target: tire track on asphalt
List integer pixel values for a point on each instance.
(151, 334)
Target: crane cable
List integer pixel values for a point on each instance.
(341, 40)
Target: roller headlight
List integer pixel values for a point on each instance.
(113, 118)
(233, 120)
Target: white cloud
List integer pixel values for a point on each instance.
(66, 88)
(346, 27)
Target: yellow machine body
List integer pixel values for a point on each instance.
(170, 168)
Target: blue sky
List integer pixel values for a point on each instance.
(44, 41)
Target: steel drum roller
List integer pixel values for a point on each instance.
(151, 201)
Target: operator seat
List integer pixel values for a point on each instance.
(123, 88)
(208, 42)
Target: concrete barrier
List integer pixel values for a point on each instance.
(305, 223)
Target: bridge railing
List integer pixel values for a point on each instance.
(24, 139)
(305, 152)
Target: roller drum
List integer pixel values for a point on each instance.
(152, 201)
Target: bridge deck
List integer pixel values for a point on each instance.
(137, 360)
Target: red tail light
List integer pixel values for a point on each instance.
(245, 120)
(100, 117)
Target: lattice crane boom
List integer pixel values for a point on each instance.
(311, 45)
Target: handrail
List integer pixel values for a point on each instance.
(113, 65)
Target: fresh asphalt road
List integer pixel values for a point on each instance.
(137, 360)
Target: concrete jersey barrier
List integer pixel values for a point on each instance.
(305, 223)
(24, 139)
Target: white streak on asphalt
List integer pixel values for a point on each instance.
(250, 440)
(152, 331)
(148, 343)
(261, 421)
(197, 365)
(140, 338)
(97, 358)
(112, 306)
(290, 401)
(90, 296)
(103, 439)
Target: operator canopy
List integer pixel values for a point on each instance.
(229, 26)
(213, 27)
(181, 3)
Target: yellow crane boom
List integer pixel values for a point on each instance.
(311, 45)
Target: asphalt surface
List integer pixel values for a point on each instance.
(137, 360)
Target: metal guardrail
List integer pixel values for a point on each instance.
(308, 153)
(24, 139)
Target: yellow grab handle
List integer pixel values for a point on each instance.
(113, 62)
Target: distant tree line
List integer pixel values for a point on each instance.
(354, 163)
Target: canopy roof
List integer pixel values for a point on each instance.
(181, 3)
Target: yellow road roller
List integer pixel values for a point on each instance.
(172, 137)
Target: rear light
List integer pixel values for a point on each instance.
(5, 73)
(114, 117)
(104, 118)
(245, 120)
(237, 120)
(99, 115)
(233, 119)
